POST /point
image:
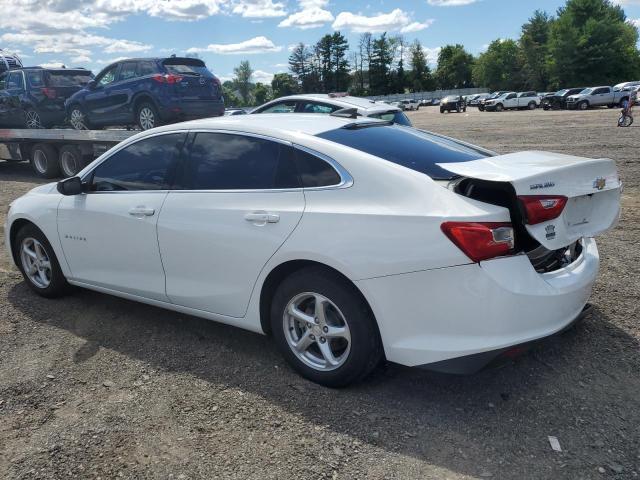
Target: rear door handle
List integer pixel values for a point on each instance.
(141, 211)
(261, 218)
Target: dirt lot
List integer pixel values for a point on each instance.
(92, 386)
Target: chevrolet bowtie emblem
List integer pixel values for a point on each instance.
(599, 183)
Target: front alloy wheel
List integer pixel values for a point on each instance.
(35, 262)
(32, 119)
(317, 331)
(77, 119)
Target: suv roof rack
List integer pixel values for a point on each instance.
(346, 113)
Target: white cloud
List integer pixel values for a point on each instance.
(259, 9)
(262, 76)
(81, 59)
(396, 20)
(450, 3)
(254, 45)
(52, 64)
(417, 26)
(292, 47)
(626, 3)
(431, 54)
(312, 17)
(635, 22)
(126, 46)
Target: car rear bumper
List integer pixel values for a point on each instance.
(178, 110)
(431, 316)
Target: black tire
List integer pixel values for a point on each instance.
(583, 105)
(464, 109)
(143, 120)
(44, 160)
(481, 108)
(71, 160)
(365, 347)
(532, 105)
(58, 285)
(442, 110)
(499, 107)
(78, 118)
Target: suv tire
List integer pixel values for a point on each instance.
(147, 116)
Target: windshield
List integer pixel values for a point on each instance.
(408, 147)
(396, 117)
(561, 92)
(586, 91)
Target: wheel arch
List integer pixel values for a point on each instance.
(277, 275)
(140, 97)
(15, 227)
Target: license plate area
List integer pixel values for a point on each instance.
(579, 210)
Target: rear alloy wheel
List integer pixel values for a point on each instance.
(147, 117)
(32, 119)
(44, 160)
(324, 329)
(71, 160)
(584, 105)
(78, 119)
(38, 263)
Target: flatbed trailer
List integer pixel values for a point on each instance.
(58, 152)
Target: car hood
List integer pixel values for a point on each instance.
(44, 189)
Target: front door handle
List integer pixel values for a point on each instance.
(141, 211)
(261, 218)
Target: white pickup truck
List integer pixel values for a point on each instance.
(597, 97)
(513, 100)
(409, 104)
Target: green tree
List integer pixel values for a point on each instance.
(380, 66)
(591, 43)
(283, 84)
(455, 65)
(500, 67)
(242, 81)
(331, 52)
(230, 97)
(302, 66)
(534, 43)
(261, 93)
(420, 76)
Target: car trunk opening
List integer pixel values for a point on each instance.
(554, 200)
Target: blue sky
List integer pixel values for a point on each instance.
(92, 33)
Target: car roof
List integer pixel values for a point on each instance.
(286, 126)
(362, 104)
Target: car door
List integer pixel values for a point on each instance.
(240, 201)
(108, 234)
(511, 101)
(15, 90)
(601, 96)
(99, 103)
(121, 91)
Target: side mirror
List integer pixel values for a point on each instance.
(70, 186)
(91, 85)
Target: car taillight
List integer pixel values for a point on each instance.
(542, 208)
(167, 78)
(480, 240)
(48, 92)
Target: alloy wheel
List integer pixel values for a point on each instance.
(33, 119)
(147, 118)
(77, 119)
(35, 262)
(316, 331)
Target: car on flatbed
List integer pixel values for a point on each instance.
(33, 97)
(349, 241)
(147, 92)
(323, 103)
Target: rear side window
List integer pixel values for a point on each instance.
(149, 164)
(281, 107)
(68, 79)
(315, 172)
(221, 161)
(394, 116)
(409, 147)
(128, 71)
(313, 107)
(146, 68)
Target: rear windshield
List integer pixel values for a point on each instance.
(409, 147)
(69, 79)
(394, 116)
(186, 66)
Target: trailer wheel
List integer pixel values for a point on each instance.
(71, 160)
(44, 160)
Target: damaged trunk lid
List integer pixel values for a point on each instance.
(582, 193)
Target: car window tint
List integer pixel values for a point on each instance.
(281, 107)
(312, 107)
(220, 161)
(128, 71)
(108, 77)
(15, 81)
(145, 165)
(3, 81)
(69, 79)
(35, 79)
(315, 172)
(409, 147)
(146, 68)
(396, 117)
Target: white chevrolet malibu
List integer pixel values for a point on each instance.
(347, 240)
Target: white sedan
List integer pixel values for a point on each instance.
(348, 240)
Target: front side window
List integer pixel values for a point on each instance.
(148, 164)
(34, 78)
(221, 161)
(108, 76)
(510, 96)
(281, 107)
(15, 81)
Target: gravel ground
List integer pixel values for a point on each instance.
(93, 386)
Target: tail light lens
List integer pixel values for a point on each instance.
(542, 208)
(167, 78)
(48, 92)
(480, 240)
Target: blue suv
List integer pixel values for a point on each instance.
(147, 92)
